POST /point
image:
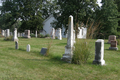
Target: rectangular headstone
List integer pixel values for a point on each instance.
(27, 34)
(113, 45)
(15, 38)
(111, 37)
(99, 52)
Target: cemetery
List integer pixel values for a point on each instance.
(59, 40)
(50, 58)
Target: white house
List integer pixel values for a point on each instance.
(47, 27)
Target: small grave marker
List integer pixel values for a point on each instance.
(28, 48)
(43, 51)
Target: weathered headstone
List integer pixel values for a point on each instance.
(27, 34)
(82, 33)
(23, 34)
(28, 48)
(58, 34)
(36, 33)
(43, 51)
(67, 34)
(7, 32)
(16, 45)
(74, 36)
(111, 37)
(99, 52)
(15, 38)
(70, 42)
(3, 33)
(53, 33)
(113, 45)
(18, 34)
(11, 34)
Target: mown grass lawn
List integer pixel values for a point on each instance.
(22, 65)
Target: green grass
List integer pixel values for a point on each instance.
(22, 65)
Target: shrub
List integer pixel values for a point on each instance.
(32, 35)
(47, 35)
(41, 36)
(8, 38)
(81, 52)
(48, 48)
(118, 41)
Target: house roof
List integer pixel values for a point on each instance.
(48, 18)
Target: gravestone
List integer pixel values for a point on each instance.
(18, 34)
(58, 34)
(74, 36)
(53, 33)
(67, 34)
(36, 33)
(111, 37)
(99, 52)
(113, 45)
(70, 42)
(23, 34)
(82, 32)
(16, 45)
(27, 34)
(43, 51)
(3, 33)
(15, 38)
(7, 32)
(11, 34)
(28, 48)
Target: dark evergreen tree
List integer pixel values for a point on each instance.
(108, 17)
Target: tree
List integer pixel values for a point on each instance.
(28, 11)
(31, 14)
(118, 5)
(48, 8)
(108, 18)
(81, 10)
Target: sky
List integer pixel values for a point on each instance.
(99, 2)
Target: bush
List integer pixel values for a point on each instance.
(47, 35)
(48, 48)
(81, 52)
(41, 36)
(8, 38)
(118, 41)
(32, 35)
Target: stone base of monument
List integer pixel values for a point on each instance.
(15, 39)
(113, 48)
(67, 57)
(101, 62)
